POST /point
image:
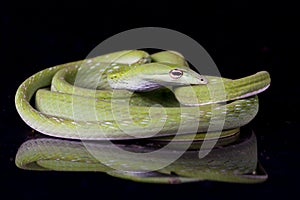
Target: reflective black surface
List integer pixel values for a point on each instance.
(231, 160)
(241, 36)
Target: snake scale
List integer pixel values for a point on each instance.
(132, 94)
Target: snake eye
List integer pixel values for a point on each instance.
(175, 73)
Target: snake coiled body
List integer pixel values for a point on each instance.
(109, 96)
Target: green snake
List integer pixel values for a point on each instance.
(236, 162)
(132, 94)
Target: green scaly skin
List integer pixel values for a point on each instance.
(81, 112)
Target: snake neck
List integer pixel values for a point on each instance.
(138, 85)
(123, 77)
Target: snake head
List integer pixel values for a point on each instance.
(150, 76)
(186, 76)
(170, 74)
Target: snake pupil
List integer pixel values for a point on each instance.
(176, 73)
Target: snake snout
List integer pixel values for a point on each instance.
(203, 80)
(200, 79)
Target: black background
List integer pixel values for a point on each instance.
(242, 37)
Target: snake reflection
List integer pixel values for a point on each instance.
(234, 159)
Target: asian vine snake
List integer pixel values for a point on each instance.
(89, 99)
